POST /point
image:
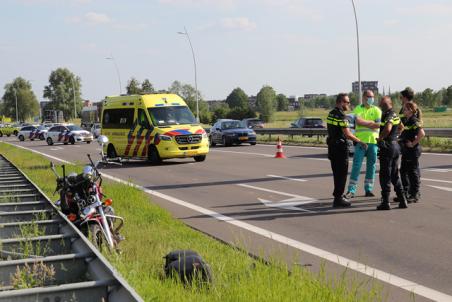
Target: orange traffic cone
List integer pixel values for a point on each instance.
(279, 150)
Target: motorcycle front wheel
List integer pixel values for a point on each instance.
(96, 236)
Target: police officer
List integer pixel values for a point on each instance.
(389, 156)
(411, 151)
(407, 96)
(338, 133)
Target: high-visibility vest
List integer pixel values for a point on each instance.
(373, 113)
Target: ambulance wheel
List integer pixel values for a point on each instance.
(111, 152)
(21, 138)
(32, 139)
(153, 156)
(253, 144)
(88, 142)
(41, 137)
(200, 158)
(49, 141)
(72, 140)
(8, 135)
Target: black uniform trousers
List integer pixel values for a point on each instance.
(389, 168)
(338, 156)
(409, 170)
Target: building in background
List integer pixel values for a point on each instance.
(312, 96)
(365, 85)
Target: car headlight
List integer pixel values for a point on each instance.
(204, 135)
(252, 133)
(165, 137)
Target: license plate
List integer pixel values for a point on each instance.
(243, 138)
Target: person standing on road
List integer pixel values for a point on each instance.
(407, 96)
(411, 151)
(338, 133)
(389, 156)
(368, 119)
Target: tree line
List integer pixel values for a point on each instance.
(64, 93)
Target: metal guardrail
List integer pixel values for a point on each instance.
(35, 235)
(320, 132)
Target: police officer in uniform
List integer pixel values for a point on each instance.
(411, 151)
(389, 156)
(338, 133)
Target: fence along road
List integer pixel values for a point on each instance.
(34, 233)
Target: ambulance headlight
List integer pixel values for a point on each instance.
(165, 137)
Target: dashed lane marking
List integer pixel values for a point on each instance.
(441, 188)
(388, 278)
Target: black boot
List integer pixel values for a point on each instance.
(341, 203)
(403, 204)
(384, 205)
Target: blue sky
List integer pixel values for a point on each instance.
(296, 46)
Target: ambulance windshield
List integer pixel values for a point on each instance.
(171, 115)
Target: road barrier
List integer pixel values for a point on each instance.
(321, 132)
(38, 242)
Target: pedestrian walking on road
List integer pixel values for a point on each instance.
(338, 133)
(411, 151)
(389, 156)
(368, 119)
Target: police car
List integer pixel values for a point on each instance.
(32, 133)
(68, 134)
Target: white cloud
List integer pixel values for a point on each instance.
(223, 4)
(96, 18)
(240, 23)
(390, 23)
(429, 9)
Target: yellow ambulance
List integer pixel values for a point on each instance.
(153, 127)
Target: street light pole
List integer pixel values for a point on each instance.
(360, 94)
(117, 72)
(15, 95)
(73, 91)
(196, 76)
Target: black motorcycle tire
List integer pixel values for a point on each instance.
(96, 236)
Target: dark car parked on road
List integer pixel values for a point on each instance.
(252, 123)
(228, 132)
(308, 122)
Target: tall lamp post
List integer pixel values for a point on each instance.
(196, 76)
(17, 111)
(117, 72)
(73, 91)
(360, 95)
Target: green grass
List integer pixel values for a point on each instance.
(151, 232)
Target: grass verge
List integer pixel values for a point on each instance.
(151, 232)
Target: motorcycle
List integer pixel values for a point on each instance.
(85, 205)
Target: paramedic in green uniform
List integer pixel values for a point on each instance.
(368, 119)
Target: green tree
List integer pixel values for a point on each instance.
(63, 88)
(190, 94)
(221, 111)
(27, 103)
(282, 102)
(238, 99)
(146, 86)
(133, 86)
(266, 102)
(447, 96)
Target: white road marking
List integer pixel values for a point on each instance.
(437, 180)
(286, 204)
(288, 178)
(439, 170)
(441, 188)
(273, 191)
(348, 263)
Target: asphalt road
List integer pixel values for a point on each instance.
(273, 206)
